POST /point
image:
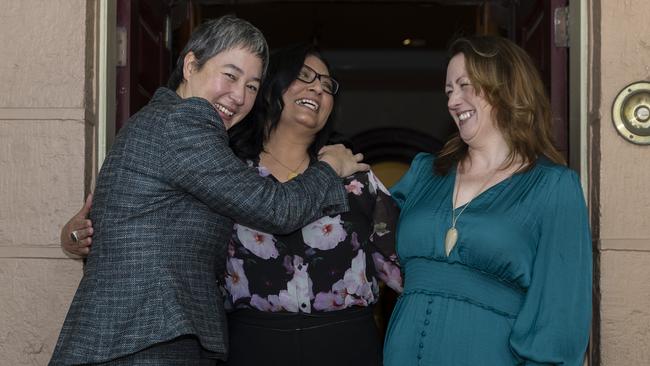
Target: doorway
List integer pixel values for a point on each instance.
(389, 57)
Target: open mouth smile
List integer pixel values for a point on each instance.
(308, 103)
(465, 115)
(224, 110)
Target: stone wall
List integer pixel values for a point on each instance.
(46, 126)
(620, 50)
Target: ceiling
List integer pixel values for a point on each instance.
(352, 25)
(403, 41)
(362, 39)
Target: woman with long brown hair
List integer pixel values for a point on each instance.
(493, 236)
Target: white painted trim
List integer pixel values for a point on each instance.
(578, 91)
(584, 97)
(106, 93)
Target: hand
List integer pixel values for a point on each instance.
(83, 227)
(342, 160)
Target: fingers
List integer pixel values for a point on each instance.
(334, 149)
(76, 235)
(80, 246)
(82, 234)
(89, 201)
(85, 209)
(363, 167)
(342, 160)
(327, 148)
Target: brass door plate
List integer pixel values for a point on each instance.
(631, 113)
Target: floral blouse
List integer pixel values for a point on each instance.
(331, 264)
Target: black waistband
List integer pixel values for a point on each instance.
(283, 321)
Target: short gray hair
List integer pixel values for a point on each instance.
(218, 35)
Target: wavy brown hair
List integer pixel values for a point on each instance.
(506, 77)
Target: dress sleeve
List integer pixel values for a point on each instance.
(401, 190)
(382, 239)
(552, 327)
(198, 160)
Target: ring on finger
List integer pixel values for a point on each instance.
(74, 236)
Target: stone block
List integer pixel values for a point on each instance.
(43, 45)
(42, 180)
(625, 314)
(36, 294)
(625, 167)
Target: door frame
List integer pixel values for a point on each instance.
(106, 81)
(578, 58)
(579, 149)
(578, 90)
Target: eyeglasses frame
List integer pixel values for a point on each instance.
(318, 76)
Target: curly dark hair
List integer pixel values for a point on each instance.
(247, 138)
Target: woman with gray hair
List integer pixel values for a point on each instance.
(164, 205)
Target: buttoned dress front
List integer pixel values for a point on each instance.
(516, 288)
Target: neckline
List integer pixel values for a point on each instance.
(479, 197)
(258, 164)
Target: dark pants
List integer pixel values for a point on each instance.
(338, 338)
(182, 351)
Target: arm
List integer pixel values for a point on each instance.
(197, 160)
(552, 327)
(384, 223)
(82, 226)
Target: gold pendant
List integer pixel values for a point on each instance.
(292, 175)
(450, 239)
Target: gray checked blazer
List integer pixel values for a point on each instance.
(163, 210)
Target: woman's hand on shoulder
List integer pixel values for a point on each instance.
(342, 160)
(76, 234)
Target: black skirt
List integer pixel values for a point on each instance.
(340, 338)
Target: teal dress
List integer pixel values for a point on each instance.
(516, 288)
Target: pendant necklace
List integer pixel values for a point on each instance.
(292, 172)
(452, 234)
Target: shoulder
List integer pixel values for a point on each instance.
(194, 116)
(556, 174)
(423, 158)
(164, 101)
(194, 106)
(364, 181)
(556, 184)
(194, 110)
(422, 165)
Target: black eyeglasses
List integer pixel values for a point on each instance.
(328, 83)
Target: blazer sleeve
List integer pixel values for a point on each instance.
(552, 327)
(198, 160)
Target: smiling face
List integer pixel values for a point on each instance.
(306, 104)
(229, 81)
(471, 111)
